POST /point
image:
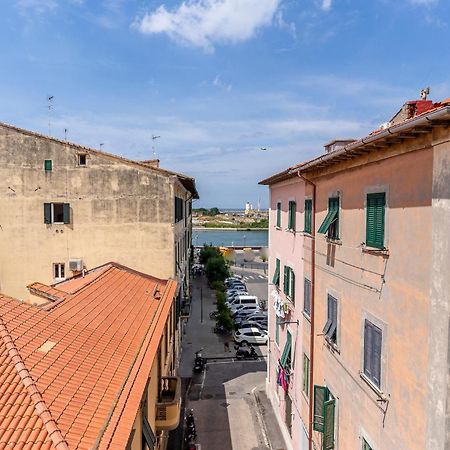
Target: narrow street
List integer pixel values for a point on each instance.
(229, 401)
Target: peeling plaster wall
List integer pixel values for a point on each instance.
(119, 212)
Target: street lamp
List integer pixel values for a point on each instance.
(244, 239)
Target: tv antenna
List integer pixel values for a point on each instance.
(50, 109)
(101, 145)
(154, 137)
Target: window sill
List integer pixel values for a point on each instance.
(375, 251)
(333, 241)
(307, 317)
(307, 233)
(374, 388)
(277, 227)
(332, 345)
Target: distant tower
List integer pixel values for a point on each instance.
(259, 204)
(248, 207)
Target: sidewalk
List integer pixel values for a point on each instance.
(228, 399)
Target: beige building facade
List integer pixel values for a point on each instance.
(66, 208)
(376, 254)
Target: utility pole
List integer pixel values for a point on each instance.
(201, 304)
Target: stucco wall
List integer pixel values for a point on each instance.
(119, 212)
(287, 246)
(438, 407)
(391, 291)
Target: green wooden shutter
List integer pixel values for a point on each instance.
(66, 213)
(286, 280)
(286, 356)
(294, 212)
(375, 213)
(332, 216)
(277, 331)
(306, 375)
(291, 217)
(366, 446)
(328, 433)
(276, 275)
(47, 213)
(278, 214)
(48, 165)
(308, 216)
(320, 393)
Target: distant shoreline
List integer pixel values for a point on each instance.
(227, 229)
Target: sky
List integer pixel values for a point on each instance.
(218, 80)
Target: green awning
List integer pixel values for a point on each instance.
(329, 219)
(286, 352)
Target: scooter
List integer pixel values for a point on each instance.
(199, 362)
(246, 353)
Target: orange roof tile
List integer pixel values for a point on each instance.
(88, 358)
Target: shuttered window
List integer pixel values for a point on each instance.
(375, 213)
(372, 352)
(330, 225)
(330, 328)
(179, 207)
(366, 446)
(277, 331)
(308, 216)
(320, 395)
(324, 415)
(278, 214)
(48, 165)
(56, 213)
(306, 375)
(276, 275)
(328, 432)
(291, 216)
(285, 359)
(289, 282)
(307, 297)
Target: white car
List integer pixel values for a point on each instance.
(250, 324)
(250, 336)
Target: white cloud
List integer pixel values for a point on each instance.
(39, 6)
(217, 82)
(203, 23)
(326, 4)
(424, 2)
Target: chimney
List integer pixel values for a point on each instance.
(337, 144)
(151, 163)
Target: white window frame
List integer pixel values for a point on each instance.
(57, 270)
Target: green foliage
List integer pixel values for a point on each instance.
(207, 212)
(216, 269)
(225, 320)
(208, 252)
(218, 286)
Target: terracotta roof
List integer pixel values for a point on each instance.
(186, 181)
(76, 373)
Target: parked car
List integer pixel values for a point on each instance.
(241, 319)
(258, 317)
(243, 300)
(250, 336)
(250, 324)
(245, 310)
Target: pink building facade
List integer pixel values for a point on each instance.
(368, 330)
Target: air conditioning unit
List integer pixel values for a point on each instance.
(76, 265)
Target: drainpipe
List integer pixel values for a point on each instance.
(313, 289)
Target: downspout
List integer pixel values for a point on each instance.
(313, 289)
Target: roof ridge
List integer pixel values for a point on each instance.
(40, 406)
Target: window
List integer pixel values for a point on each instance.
(278, 214)
(82, 159)
(307, 297)
(330, 328)
(365, 445)
(330, 225)
(48, 165)
(59, 271)
(324, 412)
(375, 220)
(308, 216)
(372, 352)
(56, 213)
(286, 358)
(179, 213)
(291, 216)
(289, 283)
(276, 275)
(306, 375)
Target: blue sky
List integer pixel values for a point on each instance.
(219, 79)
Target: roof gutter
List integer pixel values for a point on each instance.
(422, 120)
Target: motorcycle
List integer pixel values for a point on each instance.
(246, 353)
(199, 362)
(191, 433)
(220, 329)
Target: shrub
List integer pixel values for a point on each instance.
(216, 269)
(224, 319)
(208, 252)
(218, 286)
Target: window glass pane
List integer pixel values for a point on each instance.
(58, 212)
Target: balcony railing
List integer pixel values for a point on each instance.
(169, 404)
